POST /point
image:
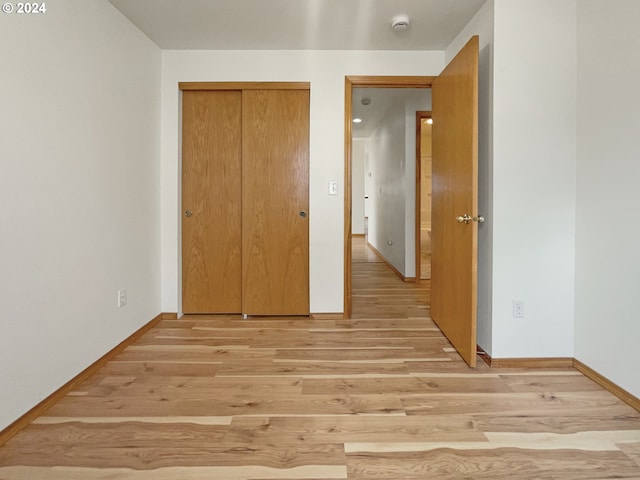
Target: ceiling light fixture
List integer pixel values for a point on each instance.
(357, 120)
(400, 23)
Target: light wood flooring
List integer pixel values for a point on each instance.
(380, 396)
(425, 254)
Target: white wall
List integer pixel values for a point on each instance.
(482, 25)
(357, 186)
(607, 256)
(387, 161)
(326, 71)
(534, 177)
(415, 101)
(368, 183)
(79, 193)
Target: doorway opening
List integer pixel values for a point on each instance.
(454, 194)
(424, 122)
(385, 189)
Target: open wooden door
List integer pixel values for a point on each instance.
(455, 201)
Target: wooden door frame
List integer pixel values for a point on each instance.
(362, 81)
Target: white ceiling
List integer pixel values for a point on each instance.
(298, 24)
(381, 100)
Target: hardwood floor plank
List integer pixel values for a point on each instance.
(587, 441)
(564, 424)
(198, 387)
(186, 342)
(213, 355)
(343, 342)
(399, 361)
(161, 369)
(372, 333)
(388, 324)
(546, 383)
(529, 403)
(237, 332)
(314, 368)
(172, 473)
(155, 454)
(347, 354)
(508, 463)
(134, 434)
(232, 404)
(46, 420)
(580, 440)
(403, 386)
(351, 429)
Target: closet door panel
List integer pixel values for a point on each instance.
(211, 202)
(275, 202)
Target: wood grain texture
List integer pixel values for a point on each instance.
(348, 195)
(423, 192)
(211, 190)
(511, 463)
(275, 189)
(361, 81)
(455, 193)
(208, 86)
(316, 399)
(552, 362)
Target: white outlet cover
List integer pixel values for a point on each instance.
(122, 297)
(518, 309)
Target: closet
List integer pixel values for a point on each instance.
(245, 197)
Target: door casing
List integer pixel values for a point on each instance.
(362, 82)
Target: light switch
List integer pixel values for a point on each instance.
(333, 187)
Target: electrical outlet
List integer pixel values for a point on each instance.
(518, 309)
(122, 297)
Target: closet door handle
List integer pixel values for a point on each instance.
(302, 214)
(188, 213)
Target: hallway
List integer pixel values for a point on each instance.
(380, 396)
(378, 292)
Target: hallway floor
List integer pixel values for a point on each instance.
(380, 396)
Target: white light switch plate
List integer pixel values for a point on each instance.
(333, 187)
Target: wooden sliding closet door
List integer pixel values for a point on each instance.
(211, 202)
(275, 202)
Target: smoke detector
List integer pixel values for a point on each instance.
(400, 23)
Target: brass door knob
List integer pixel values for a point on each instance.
(466, 218)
